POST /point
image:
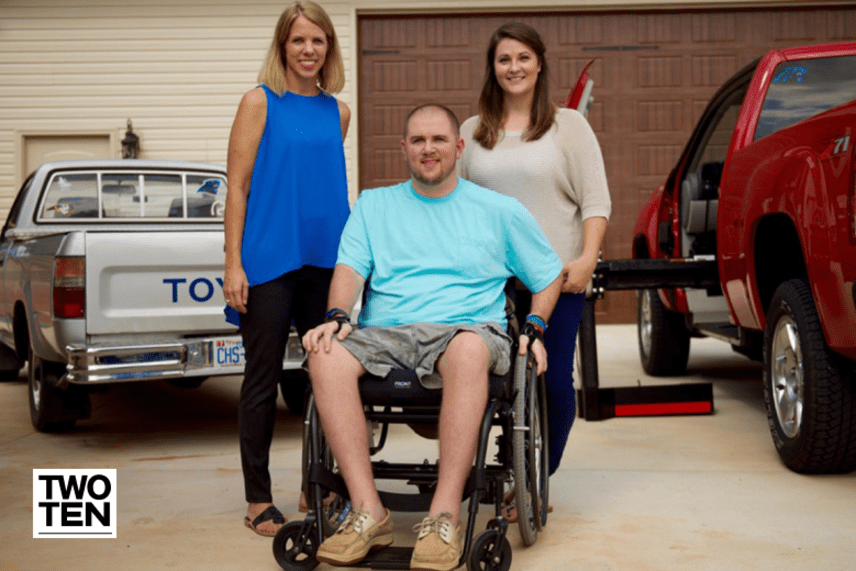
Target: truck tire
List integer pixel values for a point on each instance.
(8, 375)
(53, 409)
(664, 340)
(189, 383)
(293, 384)
(10, 364)
(809, 390)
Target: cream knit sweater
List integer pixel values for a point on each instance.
(559, 178)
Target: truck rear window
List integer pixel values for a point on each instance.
(803, 88)
(117, 196)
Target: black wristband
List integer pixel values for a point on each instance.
(340, 316)
(336, 311)
(532, 332)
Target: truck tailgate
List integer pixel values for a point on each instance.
(151, 282)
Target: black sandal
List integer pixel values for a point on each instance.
(270, 514)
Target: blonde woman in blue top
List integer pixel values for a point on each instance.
(286, 207)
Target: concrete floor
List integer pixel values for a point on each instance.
(633, 494)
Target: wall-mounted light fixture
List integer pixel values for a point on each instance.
(130, 144)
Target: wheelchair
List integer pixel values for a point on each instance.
(516, 404)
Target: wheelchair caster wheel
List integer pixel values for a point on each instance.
(491, 552)
(294, 548)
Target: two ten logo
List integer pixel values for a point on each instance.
(74, 503)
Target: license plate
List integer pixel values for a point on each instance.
(229, 353)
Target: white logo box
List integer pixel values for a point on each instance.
(74, 503)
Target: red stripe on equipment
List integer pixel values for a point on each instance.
(666, 408)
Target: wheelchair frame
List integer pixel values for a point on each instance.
(516, 402)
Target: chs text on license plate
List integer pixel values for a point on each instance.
(228, 353)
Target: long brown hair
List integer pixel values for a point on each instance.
(332, 75)
(491, 99)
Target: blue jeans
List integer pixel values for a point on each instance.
(560, 342)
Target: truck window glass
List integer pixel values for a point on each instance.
(206, 196)
(162, 192)
(120, 195)
(15, 211)
(715, 148)
(71, 195)
(803, 88)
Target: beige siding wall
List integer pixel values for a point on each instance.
(84, 67)
(178, 71)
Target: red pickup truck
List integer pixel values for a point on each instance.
(766, 189)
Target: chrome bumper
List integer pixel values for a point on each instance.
(195, 357)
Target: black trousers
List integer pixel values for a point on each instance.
(301, 295)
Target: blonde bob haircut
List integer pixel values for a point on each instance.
(331, 78)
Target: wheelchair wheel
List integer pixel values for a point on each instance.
(529, 451)
(491, 552)
(315, 449)
(294, 548)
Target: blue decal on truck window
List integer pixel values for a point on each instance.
(211, 186)
(791, 73)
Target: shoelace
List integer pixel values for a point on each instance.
(358, 518)
(441, 525)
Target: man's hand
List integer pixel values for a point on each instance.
(538, 351)
(321, 338)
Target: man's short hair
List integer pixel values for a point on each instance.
(453, 119)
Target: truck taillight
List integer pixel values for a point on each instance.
(69, 288)
(853, 195)
(852, 201)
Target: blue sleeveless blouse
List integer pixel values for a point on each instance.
(298, 201)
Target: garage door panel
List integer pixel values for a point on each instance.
(712, 70)
(388, 33)
(660, 28)
(792, 27)
(450, 75)
(713, 28)
(447, 32)
(394, 76)
(580, 31)
(659, 71)
(660, 116)
(653, 73)
(841, 26)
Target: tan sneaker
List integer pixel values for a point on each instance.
(438, 545)
(359, 534)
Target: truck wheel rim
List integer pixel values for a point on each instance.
(787, 376)
(35, 381)
(645, 322)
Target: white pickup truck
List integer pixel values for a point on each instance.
(111, 271)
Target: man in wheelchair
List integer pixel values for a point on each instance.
(436, 251)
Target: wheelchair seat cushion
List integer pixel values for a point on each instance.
(401, 387)
(417, 347)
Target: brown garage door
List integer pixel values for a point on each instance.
(653, 73)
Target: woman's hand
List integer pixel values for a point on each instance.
(576, 274)
(236, 288)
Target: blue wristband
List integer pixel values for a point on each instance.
(537, 321)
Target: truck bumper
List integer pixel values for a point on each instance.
(195, 357)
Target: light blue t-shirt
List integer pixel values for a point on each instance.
(442, 260)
